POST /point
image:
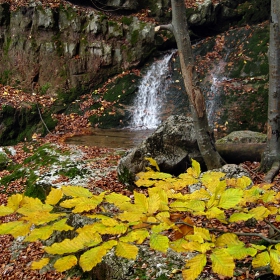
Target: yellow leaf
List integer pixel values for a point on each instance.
(65, 263)
(236, 217)
(82, 204)
(117, 199)
(159, 242)
(88, 238)
(179, 245)
(240, 251)
(204, 247)
(192, 245)
(42, 233)
(259, 213)
(187, 179)
(144, 183)
(191, 205)
(200, 194)
(277, 218)
(61, 225)
(15, 228)
(261, 259)
(196, 168)
(212, 179)
(138, 236)
(76, 191)
(14, 201)
(54, 196)
(40, 264)
(140, 202)
(163, 197)
(153, 203)
(4, 210)
(33, 205)
(222, 262)
(217, 213)
(228, 239)
(92, 257)
(152, 162)
(65, 247)
(230, 198)
(126, 250)
(194, 267)
(269, 196)
(131, 216)
(258, 247)
(275, 261)
(273, 210)
(241, 183)
(161, 227)
(40, 218)
(203, 232)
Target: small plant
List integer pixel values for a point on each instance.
(44, 88)
(219, 204)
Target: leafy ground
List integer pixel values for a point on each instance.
(15, 262)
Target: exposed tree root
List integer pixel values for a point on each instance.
(272, 172)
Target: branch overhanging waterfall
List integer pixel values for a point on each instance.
(151, 95)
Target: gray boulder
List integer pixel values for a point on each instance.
(172, 145)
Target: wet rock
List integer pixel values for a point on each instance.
(172, 145)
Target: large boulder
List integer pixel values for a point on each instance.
(172, 145)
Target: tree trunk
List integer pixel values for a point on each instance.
(204, 134)
(271, 157)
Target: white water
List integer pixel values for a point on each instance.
(151, 95)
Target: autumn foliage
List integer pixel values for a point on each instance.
(166, 217)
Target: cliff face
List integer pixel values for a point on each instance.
(63, 48)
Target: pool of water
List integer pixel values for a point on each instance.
(111, 138)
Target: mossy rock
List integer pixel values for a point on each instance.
(4, 160)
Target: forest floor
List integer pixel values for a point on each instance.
(15, 260)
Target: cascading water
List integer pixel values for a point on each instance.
(151, 95)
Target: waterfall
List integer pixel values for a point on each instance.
(151, 95)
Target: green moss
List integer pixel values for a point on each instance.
(5, 77)
(7, 45)
(44, 88)
(254, 11)
(126, 177)
(4, 160)
(43, 156)
(127, 20)
(134, 37)
(35, 190)
(19, 172)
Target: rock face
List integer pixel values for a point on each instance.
(172, 145)
(65, 48)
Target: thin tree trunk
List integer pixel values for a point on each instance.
(205, 138)
(271, 157)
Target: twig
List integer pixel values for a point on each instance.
(274, 227)
(271, 241)
(42, 117)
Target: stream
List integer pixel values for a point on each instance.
(111, 138)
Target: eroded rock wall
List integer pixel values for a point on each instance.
(65, 48)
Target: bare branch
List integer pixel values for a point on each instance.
(168, 27)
